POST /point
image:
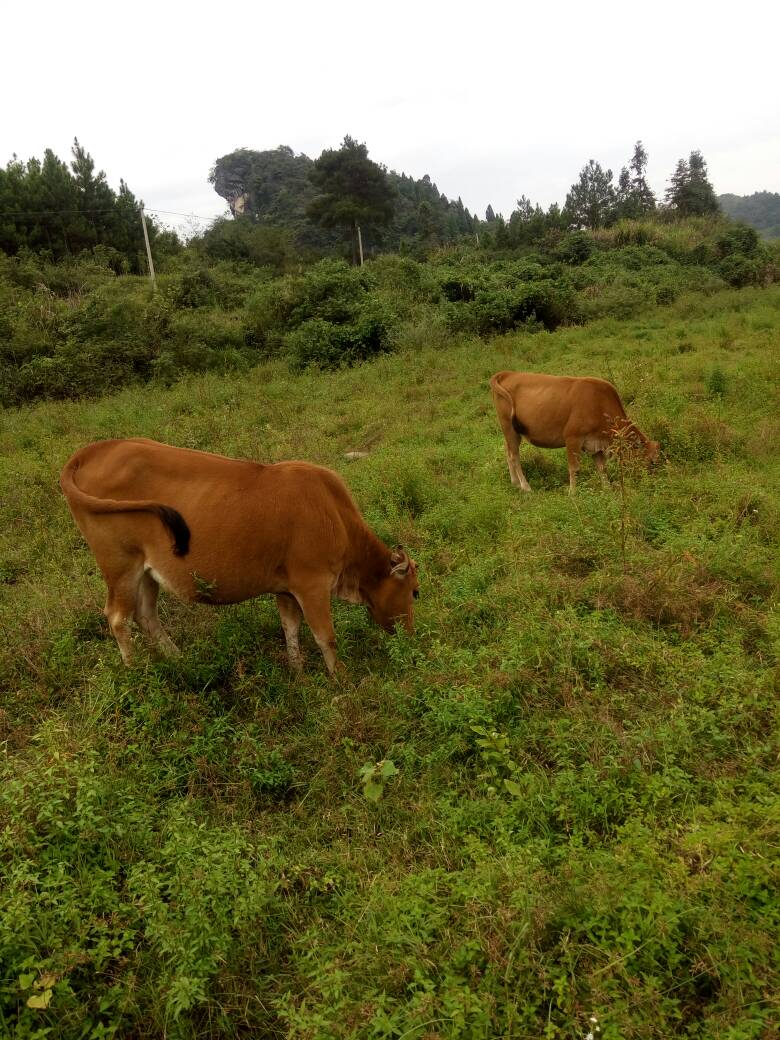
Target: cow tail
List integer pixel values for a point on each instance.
(170, 517)
(177, 525)
(498, 389)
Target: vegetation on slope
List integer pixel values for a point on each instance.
(76, 327)
(581, 836)
(760, 210)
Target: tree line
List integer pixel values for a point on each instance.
(345, 190)
(57, 209)
(285, 205)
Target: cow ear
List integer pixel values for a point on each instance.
(400, 563)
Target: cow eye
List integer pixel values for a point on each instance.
(416, 593)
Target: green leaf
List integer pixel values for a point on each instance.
(373, 791)
(25, 981)
(40, 1000)
(514, 788)
(387, 769)
(367, 771)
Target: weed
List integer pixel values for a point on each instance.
(374, 777)
(717, 382)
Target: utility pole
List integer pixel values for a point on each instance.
(148, 250)
(360, 245)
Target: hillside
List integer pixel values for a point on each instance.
(241, 297)
(582, 834)
(273, 188)
(760, 210)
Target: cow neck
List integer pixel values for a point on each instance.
(632, 429)
(638, 433)
(370, 563)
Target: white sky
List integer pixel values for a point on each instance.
(491, 99)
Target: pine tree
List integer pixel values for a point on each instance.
(591, 201)
(690, 192)
(623, 200)
(352, 191)
(642, 195)
(678, 183)
(703, 197)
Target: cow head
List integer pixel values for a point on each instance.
(392, 601)
(652, 452)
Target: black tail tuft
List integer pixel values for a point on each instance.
(177, 525)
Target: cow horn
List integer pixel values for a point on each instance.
(400, 563)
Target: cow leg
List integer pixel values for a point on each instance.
(600, 460)
(515, 469)
(147, 618)
(291, 615)
(512, 441)
(315, 604)
(573, 449)
(120, 608)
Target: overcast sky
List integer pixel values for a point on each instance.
(493, 100)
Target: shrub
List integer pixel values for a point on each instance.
(575, 248)
(740, 270)
(716, 382)
(244, 240)
(738, 239)
(195, 288)
(328, 344)
(331, 291)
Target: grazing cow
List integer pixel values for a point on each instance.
(219, 530)
(575, 412)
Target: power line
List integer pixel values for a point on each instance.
(173, 213)
(96, 212)
(59, 213)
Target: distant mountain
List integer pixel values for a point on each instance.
(273, 188)
(760, 210)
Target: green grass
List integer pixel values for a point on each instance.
(585, 820)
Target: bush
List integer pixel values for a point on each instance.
(575, 248)
(329, 345)
(243, 240)
(195, 288)
(333, 314)
(740, 270)
(490, 298)
(739, 239)
(330, 290)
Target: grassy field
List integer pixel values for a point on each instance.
(581, 835)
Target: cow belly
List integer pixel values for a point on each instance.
(595, 444)
(200, 579)
(546, 442)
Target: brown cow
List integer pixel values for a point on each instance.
(219, 530)
(575, 412)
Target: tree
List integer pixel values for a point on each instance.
(591, 201)
(690, 193)
(426, 223)
(703, 195)
(623, 194)
(635, 198)
(642, 196)
(527, 222)
(351, 191)
(57, 210)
